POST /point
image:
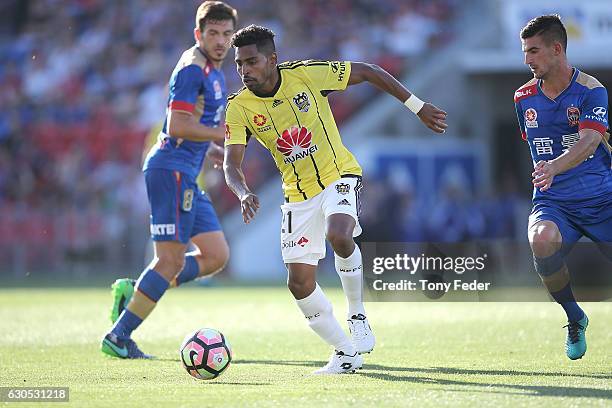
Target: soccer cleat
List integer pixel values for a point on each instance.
(341, 363)
(361, 334)
(575, 343)
(122, 291)
(116, 347)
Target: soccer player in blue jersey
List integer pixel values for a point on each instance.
(563, 115)
(180, 212)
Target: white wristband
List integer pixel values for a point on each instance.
(414, 104)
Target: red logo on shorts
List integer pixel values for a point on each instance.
(303, 241)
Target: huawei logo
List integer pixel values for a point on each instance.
(295, 144)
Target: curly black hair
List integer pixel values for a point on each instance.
(262, 37)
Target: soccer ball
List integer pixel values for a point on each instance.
(206, 354)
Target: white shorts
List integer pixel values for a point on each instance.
(303, 226)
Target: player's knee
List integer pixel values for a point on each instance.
(545, 240)
(341, 241)
(217, 260)
(168, 265)
(300, 288)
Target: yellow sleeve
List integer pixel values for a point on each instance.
(236, 126)
(328, 75)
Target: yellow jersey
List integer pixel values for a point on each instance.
(297, 126)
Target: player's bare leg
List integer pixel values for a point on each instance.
(150, 287)
(546, 243)
(209, 257)
(339, 233)
(319, 312)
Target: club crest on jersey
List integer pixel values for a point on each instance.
(295, 144)
(228, 133)
(302, 102)
(343, 188)
(573, 115)
(531, 117)
(217, 89)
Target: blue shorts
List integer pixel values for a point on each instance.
(179, 210)
(591, 220)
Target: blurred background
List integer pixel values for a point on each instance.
(83, 85)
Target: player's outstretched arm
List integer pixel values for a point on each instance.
(545, 171)
(234, 177)
(430, 115)
(184, 125)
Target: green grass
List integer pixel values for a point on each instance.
(428, 354)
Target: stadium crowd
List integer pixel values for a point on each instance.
(83, 81)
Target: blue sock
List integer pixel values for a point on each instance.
(189, 272)
(126, 324)
(565, 298)
(153, 286)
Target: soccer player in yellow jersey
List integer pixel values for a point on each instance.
(285, 107)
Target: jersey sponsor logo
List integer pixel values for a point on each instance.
(531, 118)
(343, 188)
(163, 229)
(291, 244)
(600, 111)
(302, 102)
(295, 144)
(342, 72)
(276, 103)
(599, 114)
(259, 119)
(543, 145)
(573, 115)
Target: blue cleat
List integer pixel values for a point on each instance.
(575, 343)
(116, 347)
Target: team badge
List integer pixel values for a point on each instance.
(302, 102)
(228, 134)
(573, 115)
(531, 117)
(259, 119)
(343, 188)
(217, 89)
(187, 200)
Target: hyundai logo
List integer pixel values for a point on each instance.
(600, 111)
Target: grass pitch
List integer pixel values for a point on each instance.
(427, 354)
